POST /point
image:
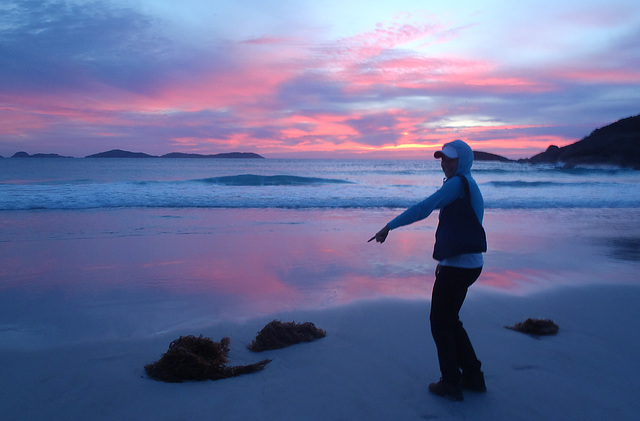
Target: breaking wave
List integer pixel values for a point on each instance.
(270, 180)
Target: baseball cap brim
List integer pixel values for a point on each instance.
(448, 151)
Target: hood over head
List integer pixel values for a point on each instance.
(464, 155)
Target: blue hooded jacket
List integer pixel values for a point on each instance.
(450, 191)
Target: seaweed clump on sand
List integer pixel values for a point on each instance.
(198, 358)
(536, 327)
(276, 335)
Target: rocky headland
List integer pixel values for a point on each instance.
(617, 144)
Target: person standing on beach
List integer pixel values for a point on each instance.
(454, 273)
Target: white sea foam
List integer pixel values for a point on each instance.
(181, 183)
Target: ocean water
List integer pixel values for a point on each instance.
(27, 184)
(119, 248)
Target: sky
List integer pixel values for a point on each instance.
(313, 79)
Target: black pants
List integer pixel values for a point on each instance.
(455, 351)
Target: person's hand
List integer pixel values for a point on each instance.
(380, 235)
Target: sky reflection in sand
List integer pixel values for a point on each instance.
(217, 263)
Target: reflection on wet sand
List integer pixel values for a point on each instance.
(220, 262)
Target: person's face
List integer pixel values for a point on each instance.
(449, 166)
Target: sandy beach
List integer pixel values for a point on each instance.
(375, 363)
(81, 319)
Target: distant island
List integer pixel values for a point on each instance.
(486, 156)
(117, 153)
(38, 155)
(249, 155)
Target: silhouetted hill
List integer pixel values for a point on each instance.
(486, 156)
(37, 155)
(249, 155)
(617, 144)
(118, 153)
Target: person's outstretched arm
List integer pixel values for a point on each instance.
(445, 195)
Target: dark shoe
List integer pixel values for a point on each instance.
(450, 391)
(474, 383)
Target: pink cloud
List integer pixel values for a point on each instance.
(268, 40)
(600, 76)
(387, 37)
(13, 122)
(378, 91)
